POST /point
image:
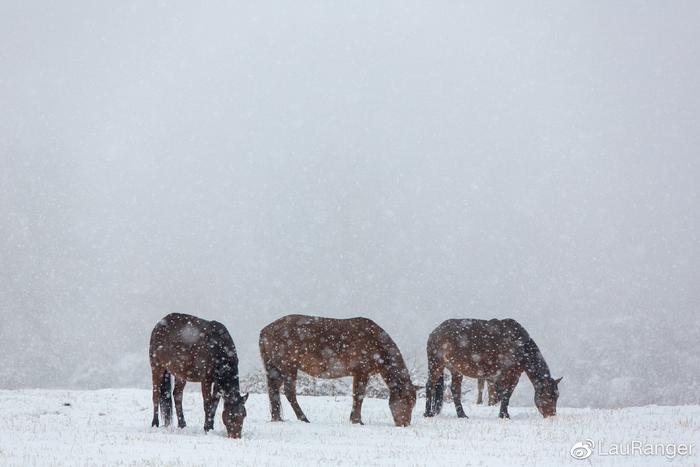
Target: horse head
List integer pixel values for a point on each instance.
(546, 396)
(402, 400)
(234, 413)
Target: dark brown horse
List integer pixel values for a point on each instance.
(497, 351)
(334, 348)
(193, 349)
(480, 392)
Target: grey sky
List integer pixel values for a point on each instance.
(405, 161)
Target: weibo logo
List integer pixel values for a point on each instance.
(582, 450)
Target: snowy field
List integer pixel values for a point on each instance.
(112, 427)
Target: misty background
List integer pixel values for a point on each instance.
(405, 161)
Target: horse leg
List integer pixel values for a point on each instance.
(290, 391)
(359, 386)
(503, 413)
(479, 391)
(492, 394)
(156, 376)
(177, 395)
(213, 404)
(274, 382)
(456, 389)
(434, 390)
(206, 396)
(161, 396)
(505, 393)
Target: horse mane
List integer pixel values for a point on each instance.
(534, 363)
(223, 352)
(395, 374)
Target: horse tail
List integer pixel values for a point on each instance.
(166, 400)
(429, 389)
(434, 392)
(439, 394)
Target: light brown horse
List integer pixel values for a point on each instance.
(193, 349)
(334, 348)
(497, 351)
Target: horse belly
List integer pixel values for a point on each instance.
(471, 363)
(324, 366)
(187, 363)
(469, 370)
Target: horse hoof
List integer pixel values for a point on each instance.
(305, 420)
(181, 425)
(154, 424)
(462, 415)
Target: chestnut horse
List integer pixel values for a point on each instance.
(193, 349)
(334, 348)
(497, 351)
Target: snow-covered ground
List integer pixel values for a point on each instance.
(112, 427)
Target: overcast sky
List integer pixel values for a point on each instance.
(404, 161)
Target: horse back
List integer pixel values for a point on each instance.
(191, 347)
(476, 347)
(325, 347)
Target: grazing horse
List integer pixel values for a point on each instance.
(480, 391)
(334, 348)
(497, 351)
(193, 349)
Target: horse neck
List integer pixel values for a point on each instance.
(229, 384)
(394, 371)
(536, 367)
(228, 380)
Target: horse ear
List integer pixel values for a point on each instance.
(558, 379)
(245, 398)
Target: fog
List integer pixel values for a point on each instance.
(405, 161)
